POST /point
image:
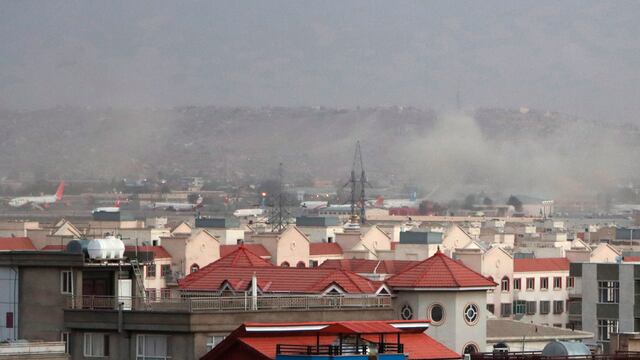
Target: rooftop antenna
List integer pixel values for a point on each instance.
(280, 216)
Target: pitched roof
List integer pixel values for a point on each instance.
(262, 344)
(257, 249)
(439, 271)
(535, 265)
(16, 243)
(324, 249)
(277, 280)
(631, 259)
(242, 255)
(53, 247)
(365, 266)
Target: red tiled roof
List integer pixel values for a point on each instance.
(16, 243)
(257, 249)
(631, 259)
(439, 271)
(325, 249)
(262, 345)
(534, 265)
(236, 269)
(365, 266)
(158, 251)
(419, 346)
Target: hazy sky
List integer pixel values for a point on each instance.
(580, 57)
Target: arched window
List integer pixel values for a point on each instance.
(301, 264)
(194, 268)
(285, 264)
(504, 284)
(470, 348)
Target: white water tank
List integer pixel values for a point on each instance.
(104, 249)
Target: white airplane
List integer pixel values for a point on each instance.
(108, 209)
(314, 205)
(38, 202)
(243, 213)
(178, 206)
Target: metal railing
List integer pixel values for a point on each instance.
(344, 349)
(229, 303)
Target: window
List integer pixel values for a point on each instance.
(531, 307)
(505, 309)
(436, 314)
(151, 294)
(531, 283)
(570, 282)
(194, 268)
(151, 270)
(313, 263)
(517, 284)
(300, 264)
(66, 282)
(8, 320)
(557, 282)
(213, 341)
(557, 325)
(544, 283)
(64, 337)
(558, 306)
(545, 307)
(96, 345)
(471, 314)
(406, 313)
(470, 349)
(491, 308)
(285, 264)
(608, 292)
(165, 293)
(519, 307)
(152, 347)
(606, 328)
(504, 284)
(165, 270)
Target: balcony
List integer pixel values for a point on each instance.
(229, 303)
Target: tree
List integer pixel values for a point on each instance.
(469, 202)
(487, 201)
(515, 202)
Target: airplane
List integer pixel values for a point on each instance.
(314, 205)
(38, 202)
(248, 212)
(178, 206)
(109, 209)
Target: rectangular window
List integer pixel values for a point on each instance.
(544, 283)
(504, 284)
(213, 341)
(9, 320)
(557, 282)
(545, 307)
(64, 337)
(313, 263)
(151, 294)
(491, 308)
(570, 282)
(531, 307)
(505, 310)
(531, 283)
(165, 270)
(608, 292)
(558, 307)
(519, 307)
(151, 347)
(151, 270)
(96, 345)
(165, 293)
(517, 284)
(66, 282)
(606, 327)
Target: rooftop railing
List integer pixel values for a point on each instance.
(229, 303)
(344, 349)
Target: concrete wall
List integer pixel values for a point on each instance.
(41, 303)
(453, 331)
